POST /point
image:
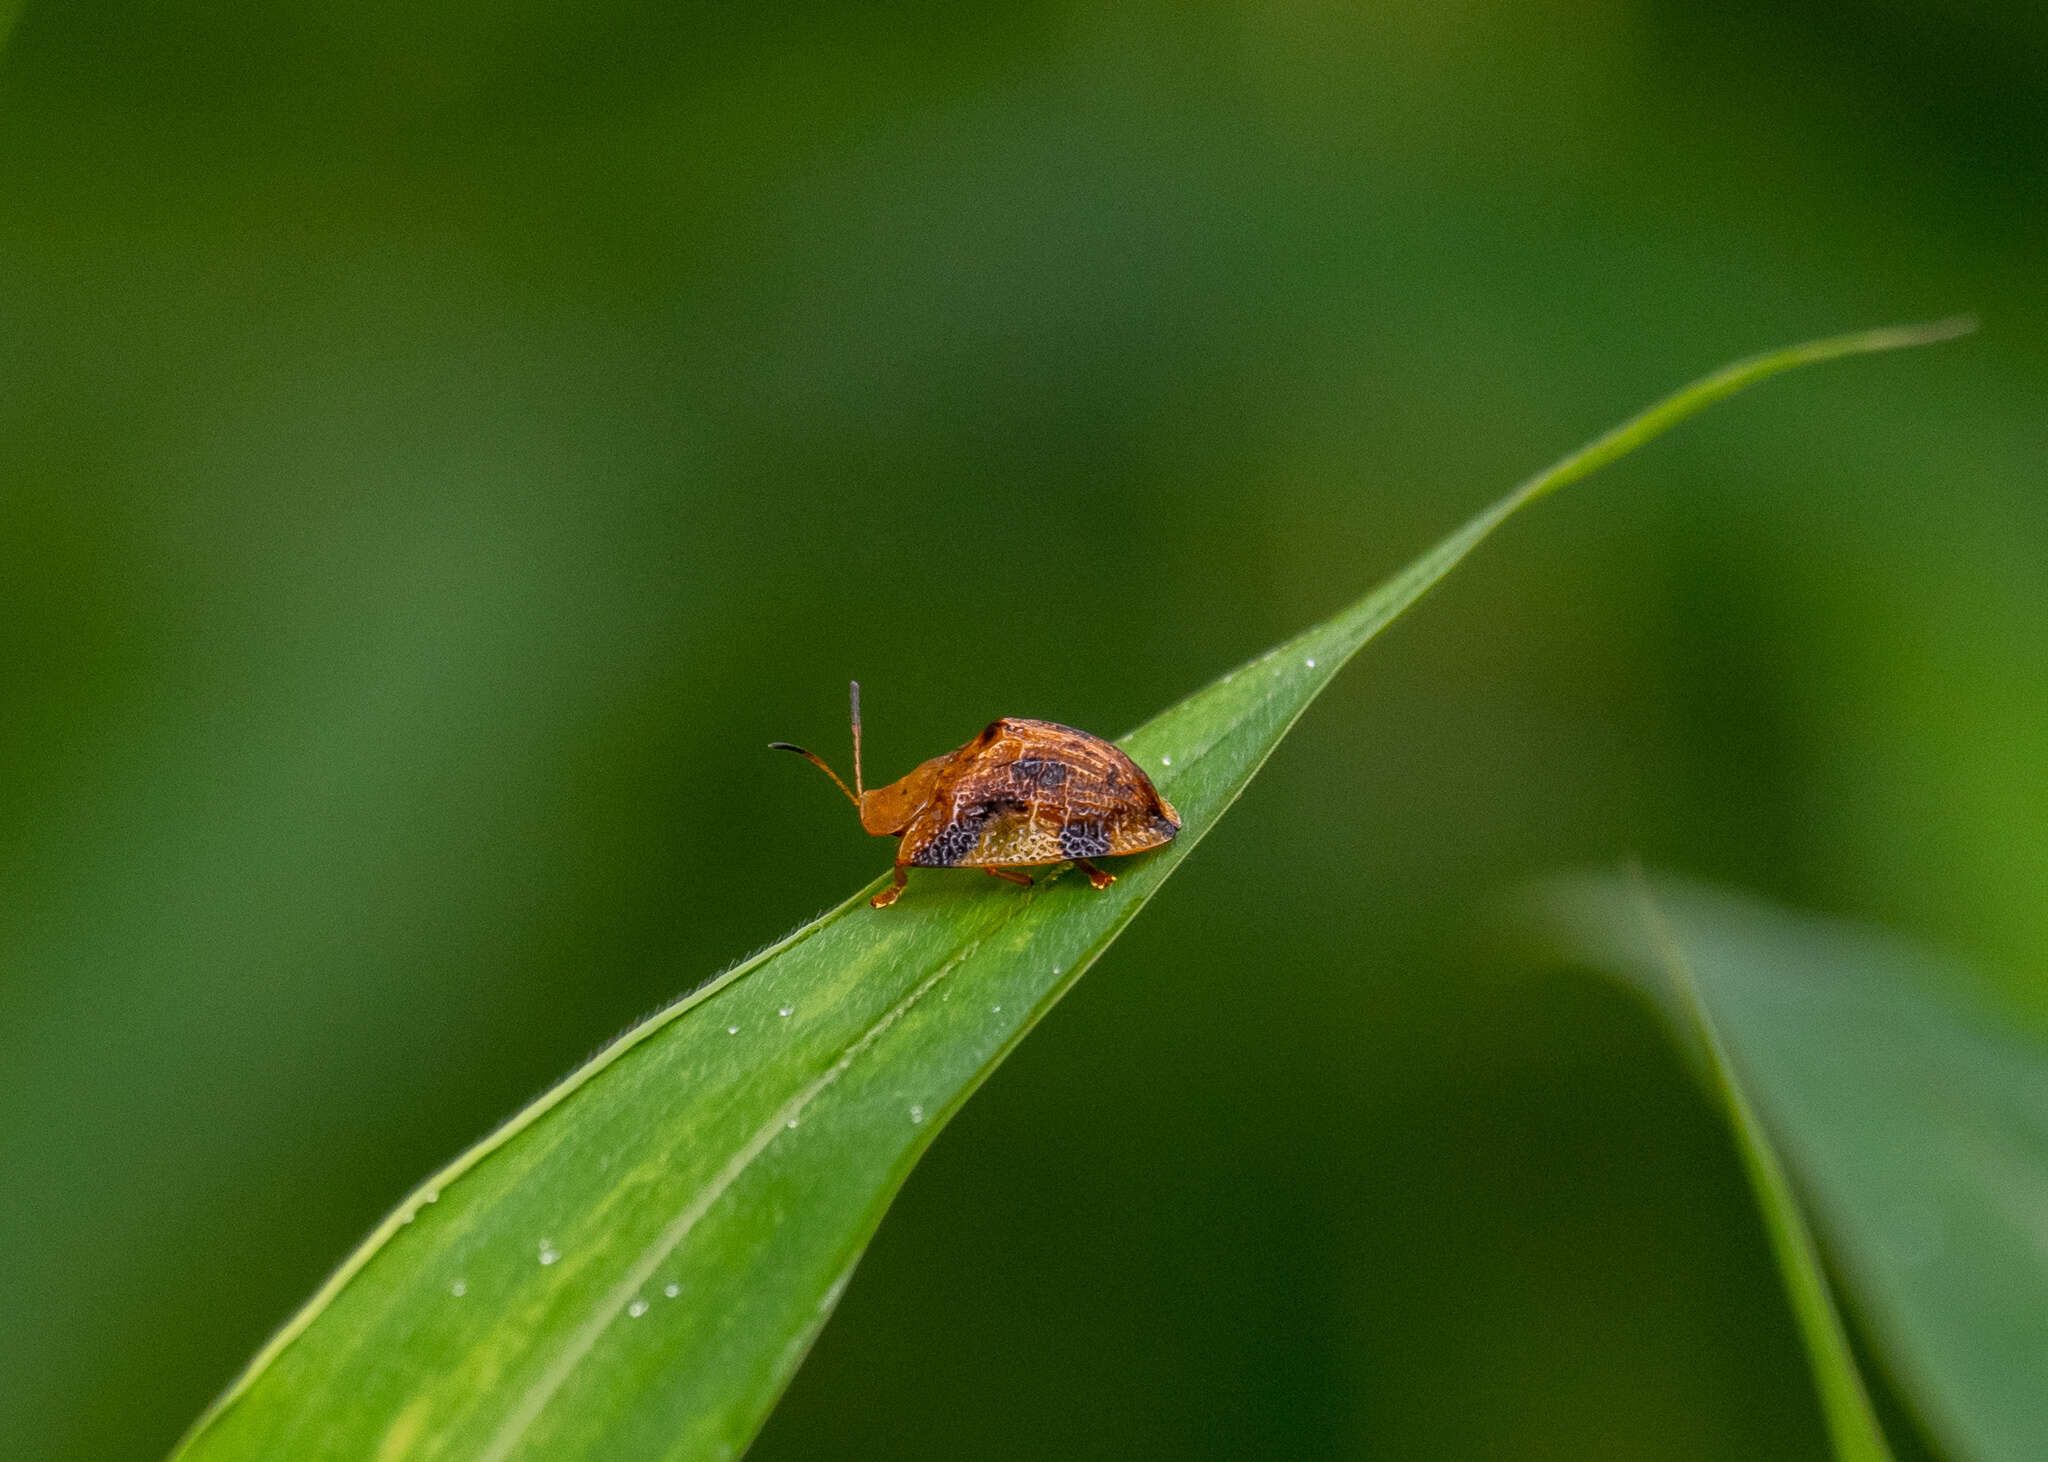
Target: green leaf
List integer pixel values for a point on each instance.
(634, 1266)
(1915, 1116)
(1845, 1405)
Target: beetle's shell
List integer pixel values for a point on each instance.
(1028, 792)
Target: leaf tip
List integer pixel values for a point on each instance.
(1933, 332)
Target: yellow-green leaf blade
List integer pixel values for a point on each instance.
(633, 1267)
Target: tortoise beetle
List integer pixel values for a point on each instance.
(1021, 794)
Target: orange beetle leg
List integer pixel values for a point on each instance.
(1009, 873)
(1096, 876)
(894, 891)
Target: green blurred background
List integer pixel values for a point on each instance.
(440, 446)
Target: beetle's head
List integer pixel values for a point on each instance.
(886, 811)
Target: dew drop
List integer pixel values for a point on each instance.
(1310, 662)
(732, 1030)
(1166, 761)
(792, 1121)
(548, 1252)
(916, 1113)
(637, 1308)
(671, 1289)
(459, 1288)
(787, 1011)
(995, 1010)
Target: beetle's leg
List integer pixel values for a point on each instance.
(1009, 873)
(894, 891)
(1096, 877)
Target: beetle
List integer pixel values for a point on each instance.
(1021, 794)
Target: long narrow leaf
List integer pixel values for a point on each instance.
(633, 1267)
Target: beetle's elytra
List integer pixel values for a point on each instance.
(1022, 793)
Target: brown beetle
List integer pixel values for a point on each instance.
(1021, 793)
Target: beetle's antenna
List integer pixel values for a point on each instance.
(817, 762)
(853, 694)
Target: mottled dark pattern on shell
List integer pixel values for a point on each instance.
(1040, 772)
(1083, 840)
(950, 845)
(1032, 792)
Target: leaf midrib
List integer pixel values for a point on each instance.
(585, 1337)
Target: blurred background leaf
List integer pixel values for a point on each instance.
(1915, 1114)
(439, 446)
(1666, 974)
